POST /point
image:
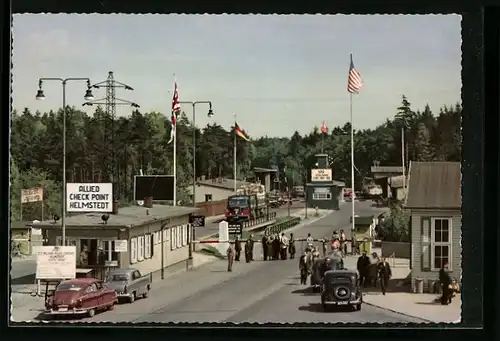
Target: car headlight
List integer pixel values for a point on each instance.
(353, 278)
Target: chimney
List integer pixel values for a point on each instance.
(116, 206)
(148, 202)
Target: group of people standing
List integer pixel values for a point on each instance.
(277, 246)
(373, 269)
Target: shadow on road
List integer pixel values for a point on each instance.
(307, 291)
(318, 308)
(393, 286)
(23, 280)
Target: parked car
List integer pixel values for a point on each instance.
(341, 288)
(128, 283)
(80, 296)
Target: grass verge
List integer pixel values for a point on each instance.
(212, 251)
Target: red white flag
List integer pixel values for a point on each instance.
(324, 128)
(354, 81)
(176, 107)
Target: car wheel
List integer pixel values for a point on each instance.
(146, 294)
(358, 307)
(91, 312)
(132, 298)
(111, 307)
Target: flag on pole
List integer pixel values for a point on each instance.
(176, 107)
(354, 81)
(240, 132)
(324, 128)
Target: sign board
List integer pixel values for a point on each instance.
(89, 197)
(197, 220)
(235, 229)
(322, 190)
(111, 263)
(321, 175)
(55, 262)
(31, 195)
(159, 187)
(121, 246)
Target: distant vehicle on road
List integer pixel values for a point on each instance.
(341, 288)
(248, 203)
(298, 191)
(128, 283)
(80, 296)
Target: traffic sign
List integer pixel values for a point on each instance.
(235, 229)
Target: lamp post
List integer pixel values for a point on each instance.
(209, 114)
(41, 96)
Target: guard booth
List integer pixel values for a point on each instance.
(323, 192)
(363, 227)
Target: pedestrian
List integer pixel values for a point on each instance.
(362, 266)
(276, 247)
(354, 244)
(237, 249)
(251, 246)
(248, 255)
(335, 235)
(269, 247)
(309, 242)
(291, 246)
(445, 281)
(264, 246)
(303, 269)
(283, 246)
(342, 239)
(230, 258)
(384, 273)
(372, 272)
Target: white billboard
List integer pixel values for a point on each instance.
(31, 195)
(321, 175)
(89, 197)
(55, 262)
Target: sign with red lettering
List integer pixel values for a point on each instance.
(89, 197)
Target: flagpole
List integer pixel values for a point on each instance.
(175, 152)
(322, 141)
(234, 153)
(352, 164)
(403, 157)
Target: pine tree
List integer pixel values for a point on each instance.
(423, 144)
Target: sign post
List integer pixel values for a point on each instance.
(89, 197)
(31, 195)
(55, 262)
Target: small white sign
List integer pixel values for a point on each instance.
(55, 262)
(321, 175)
(31, 195)
(89, 197)
(36, 232)
(121, 246)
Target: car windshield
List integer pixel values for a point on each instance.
(117, 278)
(238, 202)
(69, 287)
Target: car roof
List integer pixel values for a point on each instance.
(340, 272)
(82, 281)
(121, 271)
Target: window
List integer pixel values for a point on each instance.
(179, 236)
(133, 250)
(104, 252)
(136, 275)
(140, 248)
(173, 238)
(322, 196)
(165, 236)
(69, 242)
(441, 242)
(157, 238)
(147, 246)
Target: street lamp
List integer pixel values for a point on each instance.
(210, 114)
(41, 96)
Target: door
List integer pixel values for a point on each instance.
(91, 297)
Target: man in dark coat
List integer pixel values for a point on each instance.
(362, 266)
(384, 273)
(291, 246)
(303, 269)
(264, 247)
(445, 281)
(248, 251)
(276, 247)
(237, 249)
(269, 246)
(251, 242)
(230, 258)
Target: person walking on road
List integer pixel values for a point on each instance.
(291, 246)
(309, 242)
(343, 244)
(270, 246)
(230, 258)
(276, 248)
(251, 246)
(445, 281)
(264, 247)
(248, 251)
(362, 266)
(237, 248)
(384, 273)
(283, 246)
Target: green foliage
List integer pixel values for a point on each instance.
(141, 143)
(396, 228)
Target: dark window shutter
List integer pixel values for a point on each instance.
(425, 235)
(410, 228)
(152, 245)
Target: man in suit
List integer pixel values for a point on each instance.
(384, 273)
(362, 266)
(230, 258)
(445, 281)
(237, 249)
(264, 247)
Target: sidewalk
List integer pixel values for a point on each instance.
(421, 306)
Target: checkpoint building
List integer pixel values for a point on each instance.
(323, 192)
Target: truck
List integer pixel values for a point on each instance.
(248, 203)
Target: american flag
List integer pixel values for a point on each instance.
(176, 107)
(354, 82)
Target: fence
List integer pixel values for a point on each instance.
(257, 221)
(282, 226)
(398, 249)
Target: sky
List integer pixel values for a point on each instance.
(277, 74)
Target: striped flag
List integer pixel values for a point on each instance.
(354, 81)
(176, 107)
(240, 132)
(324, 128)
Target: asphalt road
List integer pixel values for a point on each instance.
(255, 292)
(27, 267)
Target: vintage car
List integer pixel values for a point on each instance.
(341, 288)
(318, 268)
(128, 283)
(80, 296)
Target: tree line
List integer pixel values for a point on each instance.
(141, 142)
